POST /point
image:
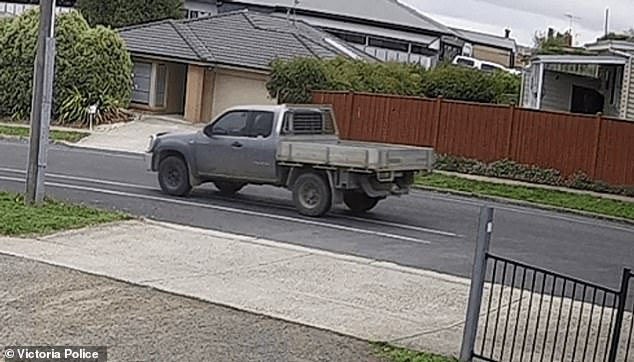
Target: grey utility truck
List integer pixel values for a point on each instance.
(295, 147)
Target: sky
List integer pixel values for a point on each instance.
(525, 17)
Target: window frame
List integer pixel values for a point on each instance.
(251, 124)
(209, 129)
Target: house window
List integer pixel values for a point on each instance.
(421, 49)
(349, 37)
(389, 44)
(161, 85)
(142, 75)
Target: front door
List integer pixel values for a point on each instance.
(220, 152)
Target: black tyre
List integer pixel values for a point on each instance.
(312, 195)
(229, 188)
(359, 202)
(174, 176)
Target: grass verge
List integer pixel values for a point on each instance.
(23, 132)
(396, 354)
(568, 200)
(17, 219)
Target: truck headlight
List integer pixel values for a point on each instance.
(150, 145)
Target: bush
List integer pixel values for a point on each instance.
(92, 67)
(119, 13)
(294, 80)
(512, 170)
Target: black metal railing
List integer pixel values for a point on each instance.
(534, 314)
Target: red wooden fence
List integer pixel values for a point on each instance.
(601, 147)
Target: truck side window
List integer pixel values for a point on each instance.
(231, 124)
(261, 124)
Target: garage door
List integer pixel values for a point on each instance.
(142, 74)
(232, 90)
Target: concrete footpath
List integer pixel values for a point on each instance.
(362, 298)
(359, 297)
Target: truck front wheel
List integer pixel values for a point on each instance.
(173, 176)
(359, 202)
(312, 195)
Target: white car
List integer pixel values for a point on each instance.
(482, 65)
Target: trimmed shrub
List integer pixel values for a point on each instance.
(92, 66)
(119, 13)
(512, 170)
(294, 80)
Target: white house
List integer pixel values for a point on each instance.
(598, 82)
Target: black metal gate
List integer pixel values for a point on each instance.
(527, 313)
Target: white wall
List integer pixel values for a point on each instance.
(234, 88)
(19, 9)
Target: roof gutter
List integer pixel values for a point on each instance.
(619, 52)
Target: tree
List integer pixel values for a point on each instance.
(627, 35)
(552, 40)
(120, 13)
(292, 81)
(92, 67)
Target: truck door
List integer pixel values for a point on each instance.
(260, 147)
(221, 151)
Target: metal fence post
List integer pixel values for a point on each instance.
(477, 284)
(620, 315)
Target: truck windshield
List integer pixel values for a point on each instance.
(304, 122)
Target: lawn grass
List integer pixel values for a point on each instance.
(396, 354)
(568, 200)
(23, 132)
(17, 219)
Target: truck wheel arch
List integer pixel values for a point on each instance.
(295, 172)
(163, 154)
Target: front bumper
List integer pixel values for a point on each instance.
(149, 162)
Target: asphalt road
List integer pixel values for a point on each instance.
(425, 230)
(43, 305)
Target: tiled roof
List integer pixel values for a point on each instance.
(393, 12)
(243, 38)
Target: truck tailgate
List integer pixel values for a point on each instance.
(359, 155)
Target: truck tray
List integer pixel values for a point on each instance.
(357, 155)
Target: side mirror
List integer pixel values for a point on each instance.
(210, 132)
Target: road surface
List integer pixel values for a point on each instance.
(425, 230)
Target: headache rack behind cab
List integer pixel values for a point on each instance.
(308, 122)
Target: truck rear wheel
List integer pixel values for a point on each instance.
(228, 188)
(312, 195)
(359, 202)
(173, 176)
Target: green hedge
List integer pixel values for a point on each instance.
(292, 81)
(92, 67)
(119, 13)
(508, 169)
